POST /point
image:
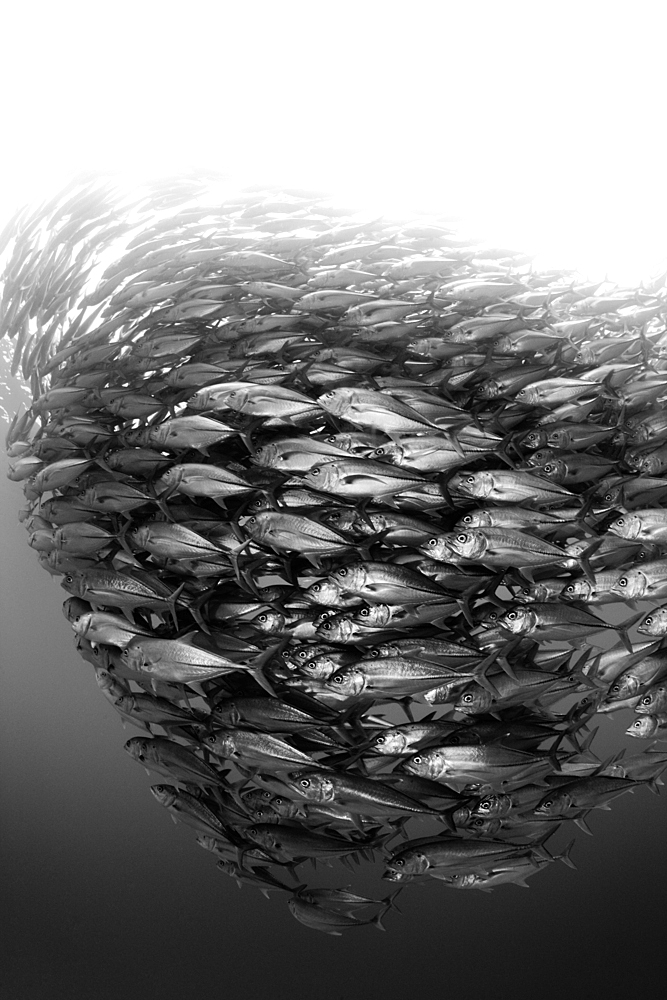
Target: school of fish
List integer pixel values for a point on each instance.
(361, 522)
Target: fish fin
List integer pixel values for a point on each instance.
(583, 825)
(565, 856)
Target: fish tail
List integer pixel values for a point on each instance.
(389, 903)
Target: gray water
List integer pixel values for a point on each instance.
(105, 899)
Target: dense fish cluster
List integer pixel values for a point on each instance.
(353, 515)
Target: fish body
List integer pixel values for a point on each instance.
(172, 759)
(363, 795)
(188, 809)
(509, 487)
(253, 749)
(491, 763)
(384, 583)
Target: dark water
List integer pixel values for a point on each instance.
(104, 898)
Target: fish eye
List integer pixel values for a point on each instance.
(338, 679)
(646, 700)
(262, 618)
(647, 621)
(548, 803)
(315, 471)
(637, 724)
(327, 626)
(549, 467)
(468, 699)
(478, 822)
(305, 783)
(342, 572)
(432, 542)
(467, 519)
(417, 760)
(381, 739)
(69, 578)
(461, 538)
(512, 616)
(365, 612)
(470, 479)
(570, 589)
(210, 739)
(623, 582)
(620, 521)
(398, 863)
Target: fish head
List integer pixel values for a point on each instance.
(343, 519)
(220, 743)
(389, 742)
(489, 806)
(105, 680)
(348, 682)
(631, 586)
(554, 804)
(655, 623)
(530, 394)
(137, 747)
(643, 728)
(648, 464)
(475, 519)
(650, 702)
(537, 438)
(559, 438)
(349, 578)
(254, 526)
(165, 794)
(474, 701)
(390, 452)
(265, 838)
(468, 544)
(312, 785)
(375, 615)
(270, 622)
(336, 401)
(240, 399)
(555, 470)
(74, 583)
(626, 526)
(484, 827)
(323, 592)
(623, 687)
(475, 484)
(577, 590)
(410, 862)
(426, 764)
(133, 656)
(319, 669)
(335, 629)
(82, 623)
(322, 477)
(519, 621)
(437, 548)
